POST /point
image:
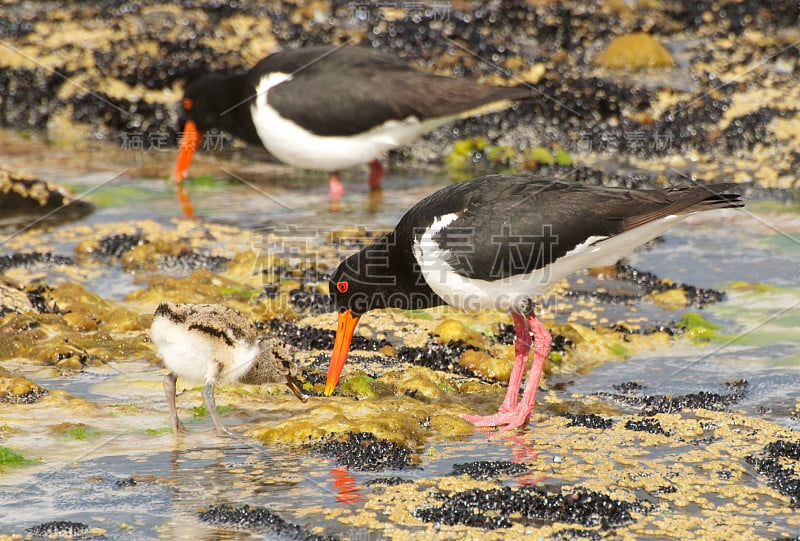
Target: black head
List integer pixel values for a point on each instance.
(207, 101)
(382, 275)
(358, 286)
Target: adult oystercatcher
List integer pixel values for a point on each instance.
(216, 344)
(497, 242)
(330, 108)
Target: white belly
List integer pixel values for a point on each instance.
(195, 356)
(512, 293)
(296, 146)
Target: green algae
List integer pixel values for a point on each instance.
(360, 386)
(476, 155)
(208, 182)
(698, 328)
(201, 411)
(618, 349)
(81, 433)
(158, 431)
(540, 155)
(242, 292)
(418, 314)
(12, 459)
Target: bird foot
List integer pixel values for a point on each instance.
(226, 432)
(508, 419)
(335, 188)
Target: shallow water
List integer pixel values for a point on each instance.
(85, 481)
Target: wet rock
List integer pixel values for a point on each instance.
(257, 518)
(443, 357)
(634, 52)
(588, 420)
(16, 389)
(654, 404)
(650, 283)
(574, 534)
(305, 300)
(189, 260)
(13, 299)
(307, 338)
(500, 508)
(364, 452)
(58, 529)
(33, 260)
(116, 245)
(388, 481)
(773, 464)
(125, 483)
(453, 331)
(488, 469)
(485, 365)
(38, 299)
(745, 131)
(735, 17)
(651, 426)
(628, 387)
(26, 200)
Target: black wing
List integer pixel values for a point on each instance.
(348, 90)
(515, 224)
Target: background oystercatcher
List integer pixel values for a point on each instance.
(330, 108)
(497, 242)
(216, 344)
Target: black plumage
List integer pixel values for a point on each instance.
(498, 241)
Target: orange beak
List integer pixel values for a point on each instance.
(189, 143)
(341, 346)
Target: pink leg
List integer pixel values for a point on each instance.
(522, 347)
(375, 175)
(541, 348)
(335, 187)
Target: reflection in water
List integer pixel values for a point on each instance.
(184, 200)
(347, 491)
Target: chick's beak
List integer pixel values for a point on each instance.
(341, 346)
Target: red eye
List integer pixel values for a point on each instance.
(342, 287)
(187, 104)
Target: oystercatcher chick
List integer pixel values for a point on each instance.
(330, 108)
(216, 344)
(497, 242)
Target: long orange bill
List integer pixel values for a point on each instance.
(189, 143)
(341, 346)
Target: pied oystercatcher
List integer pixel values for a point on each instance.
(216, 344)
(497, 242)
(330, 108)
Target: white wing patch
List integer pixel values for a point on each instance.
(513, 292)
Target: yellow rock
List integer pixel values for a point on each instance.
(70, 294)
(248, 267)
(288, 285)
(123, 319)
(634, 52)
(347, 234)
(485, 365)
(671, 299)
(428, 384)
(15, 388)
(451, 330)
(449, 425)
(78, 321)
